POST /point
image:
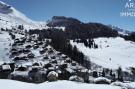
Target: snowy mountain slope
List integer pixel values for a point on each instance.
(5, 45)
(6, 84)
(120, 31)
(5, 40)
(10, 17)
(111, 52)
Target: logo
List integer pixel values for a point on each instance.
(129, 9)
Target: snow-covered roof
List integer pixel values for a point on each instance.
(102, 79)
(53, 73)
(20, 73)
(6, 67)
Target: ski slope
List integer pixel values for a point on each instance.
(111, 52)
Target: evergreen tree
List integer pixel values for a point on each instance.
(111, 72)
(113, 77)
(103, 73)
(95, 74)
(85, 42)
(120, 74)
(90, 43)
(95, 45)
(20, 27)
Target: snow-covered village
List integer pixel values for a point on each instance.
(64, 51)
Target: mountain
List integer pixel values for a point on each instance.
(63, 21)
(120, 30)
(77, 29)
(10, 17)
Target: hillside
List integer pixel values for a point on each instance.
(5, 41)
(111, 52)
(77, 29)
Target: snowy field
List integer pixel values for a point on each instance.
(112, 52)
(10, 84)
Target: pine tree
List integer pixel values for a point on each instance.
(111, 72)
(95, 74)
(103, 73)
(20, 27)
(120, 74)
(85, 42)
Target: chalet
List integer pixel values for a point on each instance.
(26, 51)
(21, 68)
(24, 58)
(30, 55)
(64, 56)
(36, 64)
(42, 51)
(36, 46)
(28, 46)
(6, 67)
(46, 57)
(5, 70)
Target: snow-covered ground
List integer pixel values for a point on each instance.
(10, 84)
(111, 52)
(5, 46)
(5, 41)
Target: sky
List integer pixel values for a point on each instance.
(101, 11)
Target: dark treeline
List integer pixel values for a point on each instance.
(77, 29)
(87, 42)
(75, 33)
(91, 30)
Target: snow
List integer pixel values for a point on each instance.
(53, 73)
(112, 52)
(76, 78)
(10, 17)
(131, 84)
(62, 28)
(124, 85)
(10, 84)
(123, 33)
(36, 52)
(101, 79)
(70, 70)
(4, 46)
